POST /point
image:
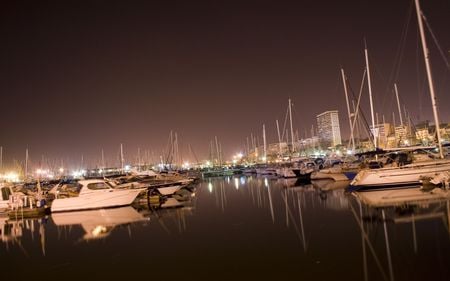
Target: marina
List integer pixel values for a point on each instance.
(225, 140)
(237, 228)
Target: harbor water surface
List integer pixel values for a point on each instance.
(236, 228)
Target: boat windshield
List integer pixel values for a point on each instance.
(68, 189)
(6, 192)
(99, 185)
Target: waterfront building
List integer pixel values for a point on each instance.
(383, 131)
(401, 135)
(328, 129)
(423, 134)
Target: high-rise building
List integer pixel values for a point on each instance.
(328, 129)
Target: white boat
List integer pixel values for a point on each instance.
(302, 169)
(95, 194)
(407, 175)
(98, 223)
(168, 190)
(266, 171)
(163, 187)
(334, 173)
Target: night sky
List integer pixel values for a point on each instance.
(79, 76)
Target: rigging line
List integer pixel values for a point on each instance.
(441, 52)
(169, 152)
(285, 123)
(359, 109)
(402, 45)
(366, 238)
(419, 92)
(393, 76)
(383, 79)
(399, 53)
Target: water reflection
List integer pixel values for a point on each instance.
(411, 216)
(98, 224)
(333, 193)
(235, 227)
(12, 231)
(171, 213)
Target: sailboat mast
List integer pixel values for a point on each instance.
(139, 159)
(103, 159)
(292, 128)
(398, 104)
(121, 157)
(352, 139)
(279, 137)
(370, 97)
(217, 151)
(26, 163)
(426, 55)
(265, 143)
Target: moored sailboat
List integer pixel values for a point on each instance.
(409, 174)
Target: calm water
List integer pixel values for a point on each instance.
(235, 228)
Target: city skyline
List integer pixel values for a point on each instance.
(77, 78)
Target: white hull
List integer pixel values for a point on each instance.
(405, 175)
(335, 174)
(266, 171)
(286, 173)
(96, 200)
(169, 190)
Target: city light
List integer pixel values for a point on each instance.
(10, 177)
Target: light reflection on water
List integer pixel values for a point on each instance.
(237, 228)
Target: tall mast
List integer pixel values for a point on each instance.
(217, 151)
(103, 159)
(139, 158)
(248, 148)
(398, 104)
(352, 139)
(265, 144)
(369, 83)
(26, 163)
(176, 152)
(279, 137)
(292, 128)
(220, 153)
(426, 55)
(121, 157)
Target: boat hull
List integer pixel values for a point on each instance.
(107, 199)
(408, 175)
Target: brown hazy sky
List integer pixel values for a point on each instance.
(79, 76)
